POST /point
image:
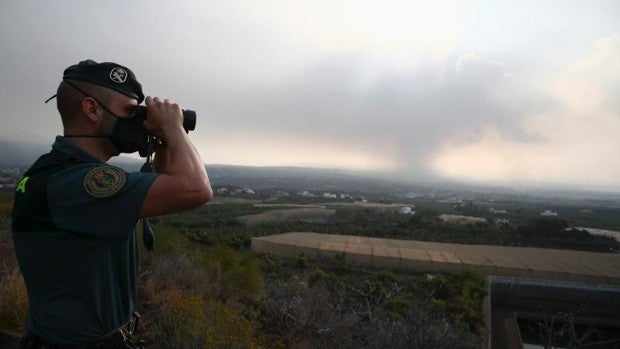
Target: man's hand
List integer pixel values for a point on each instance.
(162, 117)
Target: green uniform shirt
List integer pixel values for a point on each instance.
(74, 225)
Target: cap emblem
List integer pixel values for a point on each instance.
(118, 75)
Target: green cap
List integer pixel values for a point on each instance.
(107, 74)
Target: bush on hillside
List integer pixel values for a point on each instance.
(199, 297)
(190, 322)
(13, 303)
(324, 307)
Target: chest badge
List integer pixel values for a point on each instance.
(104, 181)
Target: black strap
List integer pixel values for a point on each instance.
(148, 235)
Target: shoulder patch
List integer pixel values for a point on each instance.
(104, 181)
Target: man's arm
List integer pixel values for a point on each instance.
(162, 159)
(183, 182)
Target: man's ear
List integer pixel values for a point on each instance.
(91, 109)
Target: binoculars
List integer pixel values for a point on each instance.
(144, 142)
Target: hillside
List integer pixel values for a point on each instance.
(201, 296)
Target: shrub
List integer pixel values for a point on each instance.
(191, 323)
(387, 276)
(6, 209)
(343, 264)
(226, 329)
(398, 306)
(237, 276)
(459, 296)
(270, 265)
(182, 323)
(178, 279)
(13, 302)
(302, 261)
(365, 310)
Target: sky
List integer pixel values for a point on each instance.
(501, 92)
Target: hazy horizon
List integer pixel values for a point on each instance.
(467, 91)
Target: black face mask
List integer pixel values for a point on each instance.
(128, 134)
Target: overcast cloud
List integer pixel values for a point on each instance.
(521, 91)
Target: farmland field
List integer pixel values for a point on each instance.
(308, 215)
(450, 218)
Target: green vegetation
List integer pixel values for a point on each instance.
(203, 288)
(198, 296)
(265, 301)
(338, 304)
(13, 303)
(6, 205)
(13, 296)
(217, 224)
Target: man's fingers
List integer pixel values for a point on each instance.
(162, 113)
(156, 100)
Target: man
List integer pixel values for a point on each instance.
(74, 216)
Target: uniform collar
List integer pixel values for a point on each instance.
(64, 146)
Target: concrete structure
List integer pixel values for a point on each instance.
(406, 255)
(519, 311)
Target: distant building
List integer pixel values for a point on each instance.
(501, 221)
(492, 210)
(330, 195)
(548, 213)
(233, 191)
(406, 210)
(306, 194)
(248, 191)
(452, 200)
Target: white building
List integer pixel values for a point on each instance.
(330, 195)
(406, 210)
(500, 221)
(248, 191)
(548, 213)
(306, 194)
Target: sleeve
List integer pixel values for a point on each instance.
(98, 200)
